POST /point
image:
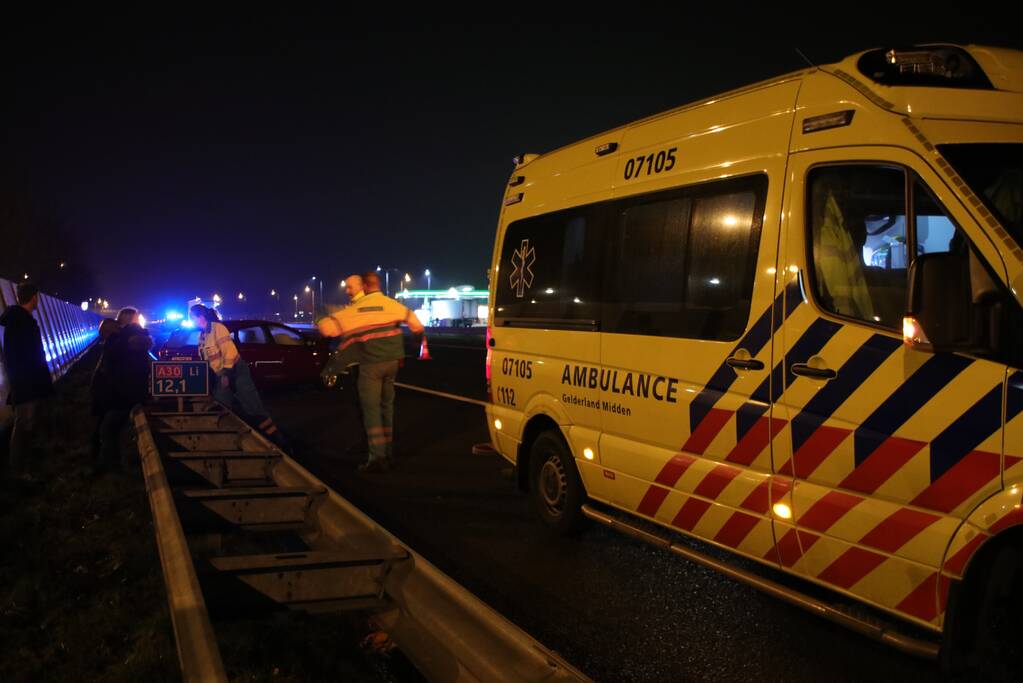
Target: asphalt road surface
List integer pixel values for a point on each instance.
(617, 609)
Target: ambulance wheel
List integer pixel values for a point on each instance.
(981, 639)
(555, 489)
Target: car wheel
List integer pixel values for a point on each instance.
(555, 488)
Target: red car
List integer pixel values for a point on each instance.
(276, 353)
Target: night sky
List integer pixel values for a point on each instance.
(256, 153)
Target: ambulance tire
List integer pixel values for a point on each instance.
(982, 639)
(555, 488)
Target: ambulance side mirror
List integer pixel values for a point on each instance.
(944, 313)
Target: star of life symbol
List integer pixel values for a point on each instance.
(522, 275)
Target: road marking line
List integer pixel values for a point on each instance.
(453, 397)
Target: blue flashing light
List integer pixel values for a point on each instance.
(174, 315)
(188, 324)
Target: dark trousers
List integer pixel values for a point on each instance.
(26, 417)
(114, 422)
(376, 393)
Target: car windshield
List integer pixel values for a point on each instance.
(995, 173)
(181, 338)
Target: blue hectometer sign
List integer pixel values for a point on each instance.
(180, 378)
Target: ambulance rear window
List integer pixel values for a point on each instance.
(995, 174)
(550, 267)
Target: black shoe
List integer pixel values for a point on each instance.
(375, 466)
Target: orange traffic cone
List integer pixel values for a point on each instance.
(424, 350)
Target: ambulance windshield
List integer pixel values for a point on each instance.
(995, 173)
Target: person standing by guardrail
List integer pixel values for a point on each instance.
(234, 386)
(28, 374)
(125, 377)
(99, 392)
(372, 325)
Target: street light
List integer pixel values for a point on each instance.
(312, 296)
(387, 277)
(427, 274)
(296, 306)
(241, 296)
(277, 300)
(321, 290)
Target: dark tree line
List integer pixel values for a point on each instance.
(40, 245)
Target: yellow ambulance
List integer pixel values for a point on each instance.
(787, 321)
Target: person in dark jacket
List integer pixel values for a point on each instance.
(27, 373)
(99, 390)
(125, 364)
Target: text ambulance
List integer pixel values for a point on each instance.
(787, 321)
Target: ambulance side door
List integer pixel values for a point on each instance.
(889, 446)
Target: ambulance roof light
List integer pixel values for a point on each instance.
(933, 66)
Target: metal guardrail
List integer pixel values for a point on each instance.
(198, 654)
(231, 478)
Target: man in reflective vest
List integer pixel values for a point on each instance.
(370, 330)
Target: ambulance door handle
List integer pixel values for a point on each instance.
(804, 370)
(745, 363)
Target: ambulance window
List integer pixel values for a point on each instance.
(1014, 337)
(990, 316)
(858, 239)
(722, 263)
(550, 267)
(994, 171)
(935, 231)
(682, 263)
